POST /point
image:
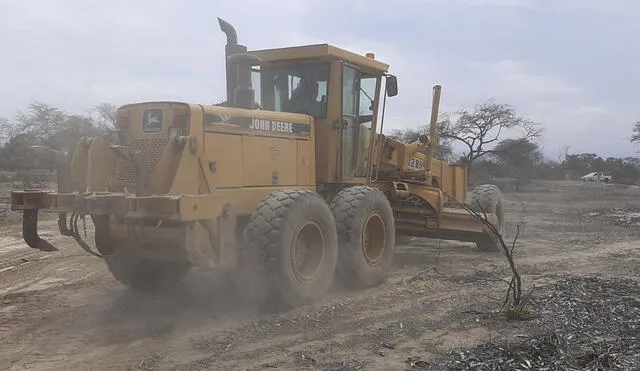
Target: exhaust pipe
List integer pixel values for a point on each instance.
(240, 92)
(232, 47)
(232, 35)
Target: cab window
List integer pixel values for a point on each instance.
(296, 88)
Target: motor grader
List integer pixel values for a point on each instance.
(284, 185)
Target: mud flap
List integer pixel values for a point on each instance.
(30, 232)
(212, 242)
(197, 244)
(227, 240)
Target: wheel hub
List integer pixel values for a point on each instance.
(374, 238)
(307, 251)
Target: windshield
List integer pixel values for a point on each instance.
(296, 88)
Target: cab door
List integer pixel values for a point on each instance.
(358, 101)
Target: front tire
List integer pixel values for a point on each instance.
(366, 232)
(292, 242)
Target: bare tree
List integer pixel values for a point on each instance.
(636, 132)
(563, 151)
(42, 124)
(106, 115)
(480, 129)
(41, 120)
(7, 130)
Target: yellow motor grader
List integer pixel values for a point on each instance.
(286, 184)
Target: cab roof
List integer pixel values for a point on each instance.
(319, 51)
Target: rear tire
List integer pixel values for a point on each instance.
(366, 232)
(487, 197)
(143, 274)
(291, 245)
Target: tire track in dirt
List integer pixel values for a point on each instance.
(359, 331)
(367, 331)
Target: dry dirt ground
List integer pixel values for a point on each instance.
(63, 310)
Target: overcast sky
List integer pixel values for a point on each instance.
(569, 64)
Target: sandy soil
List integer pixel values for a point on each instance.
(63, 310)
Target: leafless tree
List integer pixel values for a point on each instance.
(106, 115)
(43, 124)
(563, 152)
(7, 130)
(483, 127)
(636, 132)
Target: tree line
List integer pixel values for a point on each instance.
(500, 143)
(43, 124)
(497, 142)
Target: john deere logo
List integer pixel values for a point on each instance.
(152, 120)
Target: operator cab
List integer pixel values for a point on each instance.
(340, 89)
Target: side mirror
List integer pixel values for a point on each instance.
(392, 85)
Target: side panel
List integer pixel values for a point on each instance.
(255, 148)
(226, 168)
(269, 161)
(306, 163)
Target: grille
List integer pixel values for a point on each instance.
(151, 148)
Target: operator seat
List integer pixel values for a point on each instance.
(303, 99)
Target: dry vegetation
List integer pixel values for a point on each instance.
(440, 309)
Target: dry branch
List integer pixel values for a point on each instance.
(514, 290)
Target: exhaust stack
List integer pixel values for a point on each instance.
(240, 92)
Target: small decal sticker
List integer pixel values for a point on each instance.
(152, 120)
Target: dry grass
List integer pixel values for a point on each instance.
(585, 323)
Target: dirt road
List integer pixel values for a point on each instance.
(63, 310)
